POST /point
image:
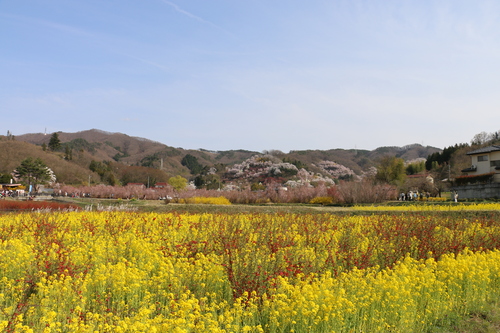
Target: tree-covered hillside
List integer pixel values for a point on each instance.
(116, 158)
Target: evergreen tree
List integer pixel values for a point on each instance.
(191, 162)
(68, 153)
(33, 172)
(443, 157)
(54, 143)
(199, 181)
(4, 178)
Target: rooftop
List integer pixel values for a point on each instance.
(484, 150)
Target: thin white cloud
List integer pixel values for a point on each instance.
(102, 40)
(182, 11)
(58, 26)
(194, 17)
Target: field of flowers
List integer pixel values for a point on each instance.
(171, 272)
(450, 207)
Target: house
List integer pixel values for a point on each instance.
(482, 178)
(485, 161)
(161, 185)
(428, 178)
(136, 184)
(6, 187)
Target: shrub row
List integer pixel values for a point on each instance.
(15, 205)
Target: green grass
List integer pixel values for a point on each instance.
(161, 206)
(486, 321)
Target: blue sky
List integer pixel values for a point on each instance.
(255, 75)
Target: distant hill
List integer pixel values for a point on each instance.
(13, 152)
(135, 159)
(360, 160)
(135, 151)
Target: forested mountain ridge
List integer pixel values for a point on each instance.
(118, 158)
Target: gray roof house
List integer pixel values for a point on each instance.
(482, 178)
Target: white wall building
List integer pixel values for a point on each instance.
(484, 161)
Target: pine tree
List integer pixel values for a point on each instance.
(68, 153)
(33, 172)
(54, 143)
(191, 162)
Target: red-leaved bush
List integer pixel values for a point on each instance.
(14, 205)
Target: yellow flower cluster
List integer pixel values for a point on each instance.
(206, 200)
(434, 199)
(407, 298)
(449, 207)
(321, 201)
(170, 272)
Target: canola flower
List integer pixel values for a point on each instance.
(206, 200)
(149, 272)
(423, 207)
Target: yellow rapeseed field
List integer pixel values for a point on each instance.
(171, 272)
(422, 207)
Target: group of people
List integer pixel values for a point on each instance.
(411, 196)
(8, 193)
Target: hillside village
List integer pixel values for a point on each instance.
(95, 157)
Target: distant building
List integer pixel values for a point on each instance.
(6, 187)
(485, 161)
(136, 184)
(428, 178)
(482, 178)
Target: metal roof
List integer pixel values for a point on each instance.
(484, 150)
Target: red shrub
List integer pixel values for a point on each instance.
(14, 205)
